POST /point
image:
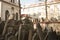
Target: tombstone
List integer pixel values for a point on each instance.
(26, 29)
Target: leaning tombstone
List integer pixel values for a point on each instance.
(24, 29)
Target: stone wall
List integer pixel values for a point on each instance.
(0, 8)
(15, 1)
(6, 6)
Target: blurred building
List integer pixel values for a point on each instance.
(53, 9)
(9, 7)
(56, 0)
